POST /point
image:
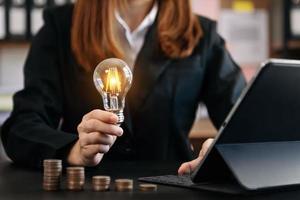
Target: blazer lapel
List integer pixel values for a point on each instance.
(149, 66)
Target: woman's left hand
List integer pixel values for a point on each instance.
(189, 167)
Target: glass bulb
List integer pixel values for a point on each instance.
(113, 78)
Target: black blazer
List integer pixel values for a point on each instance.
(160, 106)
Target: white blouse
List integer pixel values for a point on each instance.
(132, 41)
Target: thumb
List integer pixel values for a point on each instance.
(189, 167)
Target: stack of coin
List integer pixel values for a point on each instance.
(101, 183)
(123, 185)
(75, 178)
(148, 187)
(52, 174)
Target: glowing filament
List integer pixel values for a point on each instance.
(113, 83)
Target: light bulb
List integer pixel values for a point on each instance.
(113, 78)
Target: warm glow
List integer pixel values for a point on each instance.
(113, 83)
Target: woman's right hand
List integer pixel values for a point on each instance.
(97, 132)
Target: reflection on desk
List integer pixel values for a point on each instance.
(18, 183)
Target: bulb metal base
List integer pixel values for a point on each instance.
(120, 116)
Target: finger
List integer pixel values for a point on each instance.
(90, 151)
(91, 162)
(184, 169)
(96, 138)
(189, 167)
(101, 115)
(93, 125)
(206, 145)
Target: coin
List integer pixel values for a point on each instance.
(75, 169)
(75, 188)
(101, 178)
(50, 188)
(100, 188)
(148, 187)
(123, 185)
(51, 181)
(52, 161)
(56, 174)
(124, 181)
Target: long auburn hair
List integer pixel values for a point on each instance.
(93, 31)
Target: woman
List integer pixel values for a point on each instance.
(177, 58)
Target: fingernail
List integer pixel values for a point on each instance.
(120, 131)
